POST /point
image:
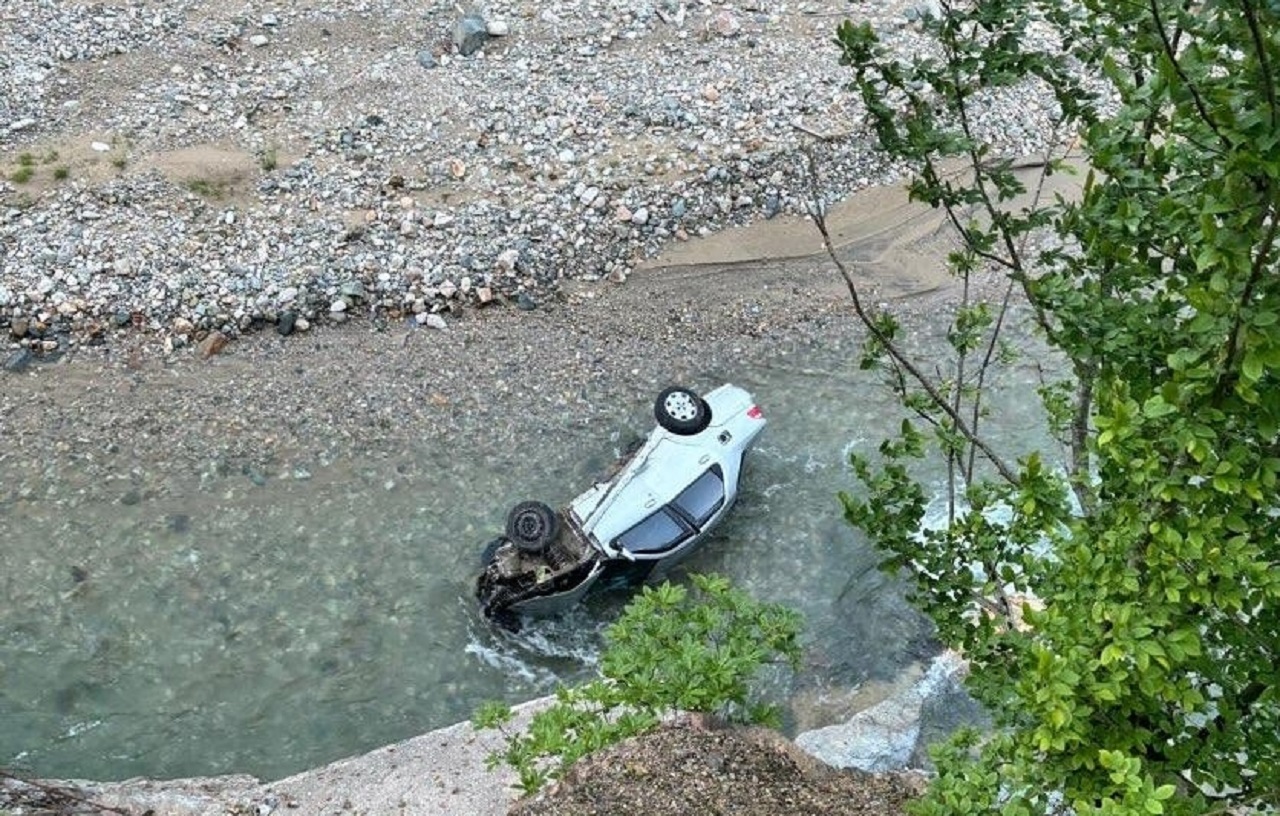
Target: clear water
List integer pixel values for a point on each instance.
(267, 629)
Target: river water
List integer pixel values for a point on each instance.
(268, 628)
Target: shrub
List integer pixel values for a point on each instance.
(671, 650)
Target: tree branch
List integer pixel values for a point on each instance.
(1268, 78)
(1172, 54)
(937, 398)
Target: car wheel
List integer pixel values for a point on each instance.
(532, 525)
(681, 411)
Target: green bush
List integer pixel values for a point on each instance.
(671, 650)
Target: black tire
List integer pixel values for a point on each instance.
(532, 526)
(681, 411)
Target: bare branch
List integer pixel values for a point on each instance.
(894, 351)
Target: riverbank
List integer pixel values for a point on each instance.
(685, 767)
(191, 172)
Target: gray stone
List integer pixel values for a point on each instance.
(426, 59)
(470, 34)
(285, 326)
(772, 205)
(352, 289)
(942, 714)
(256, 476)
(884, 737)
(925, 10)
(525, 303)
(18, 361)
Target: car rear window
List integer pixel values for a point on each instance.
(703, 498)
(656, 533)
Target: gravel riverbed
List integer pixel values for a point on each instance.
(187, 167)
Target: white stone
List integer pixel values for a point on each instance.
(883, 737)
(507, 260)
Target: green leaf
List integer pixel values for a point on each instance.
(1252, 367)
(1156, 407)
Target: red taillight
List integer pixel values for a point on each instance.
(755, 413)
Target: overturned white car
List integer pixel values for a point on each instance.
(653, 513)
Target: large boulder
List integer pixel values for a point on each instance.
(887, 736)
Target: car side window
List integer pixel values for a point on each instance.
(656, 533)
(700, 500)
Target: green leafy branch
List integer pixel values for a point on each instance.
(1136, 675)
(672, 650)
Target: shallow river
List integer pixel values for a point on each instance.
(267, 628)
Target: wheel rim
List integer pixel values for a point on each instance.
(681, 406)
(529, 526)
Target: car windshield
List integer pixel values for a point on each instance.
(703, 498)
(656, 533)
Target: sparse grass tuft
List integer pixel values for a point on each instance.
(118, 162)
(22, 175)
(270, 159)
(61, 172)
(26, 159)
(205, 188)
(50, 156)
